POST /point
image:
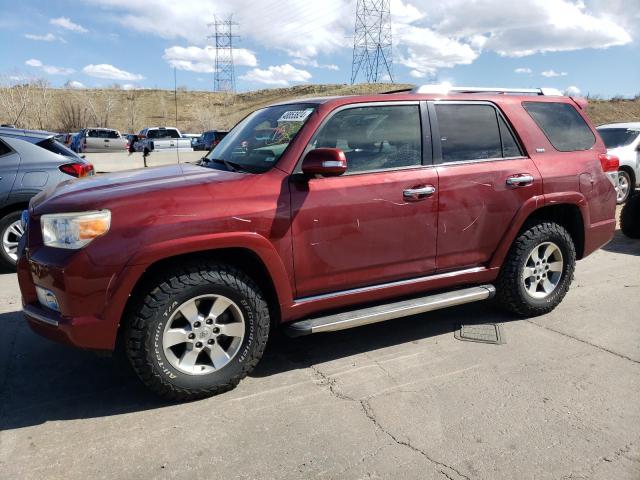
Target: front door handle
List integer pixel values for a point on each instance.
(520, 180)
(418, 193)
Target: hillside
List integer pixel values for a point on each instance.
(131, 110)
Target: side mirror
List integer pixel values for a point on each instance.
(326, 162)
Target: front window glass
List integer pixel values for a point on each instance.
(618, 137)
(258, 141)
(375, 137)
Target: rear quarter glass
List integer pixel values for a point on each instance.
(563, 126)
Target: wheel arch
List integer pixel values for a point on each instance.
(570, 215)
(632, 175)
(13, 207)
(245, 259)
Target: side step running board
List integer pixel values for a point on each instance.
(380, 313)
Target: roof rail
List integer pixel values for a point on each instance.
(445, 89)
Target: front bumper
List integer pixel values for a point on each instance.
(91, 298)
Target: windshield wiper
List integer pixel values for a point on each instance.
(231, 166)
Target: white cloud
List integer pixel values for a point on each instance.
(417, 74)
(553, 73)
(522, 70)
(202, 60)
(74, 84)
(427, 35)
(49, 37)
(67, 24)
(572, 91)
(281, 75)
(305, 62)
(110, 72)
(50, 69)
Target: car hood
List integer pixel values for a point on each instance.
(99, 191)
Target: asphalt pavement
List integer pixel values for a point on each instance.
(402, 399)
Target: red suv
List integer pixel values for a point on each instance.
(319, 215)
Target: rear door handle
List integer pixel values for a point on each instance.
(520, 180)
(418, 193)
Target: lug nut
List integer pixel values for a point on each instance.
(209, 321)
(192, 336)
(198, 344)
(210, 341)
(216, 330)
(196, 324)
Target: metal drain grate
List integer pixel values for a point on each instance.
(482, 333)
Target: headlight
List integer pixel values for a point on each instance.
(74, 230)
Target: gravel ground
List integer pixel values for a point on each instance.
(560, 399)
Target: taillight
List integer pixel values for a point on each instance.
(77, 170)
(610, 163)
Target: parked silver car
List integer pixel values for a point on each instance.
(30, 161)
(94, 140)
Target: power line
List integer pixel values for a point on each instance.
(224, 73)
(372, 41)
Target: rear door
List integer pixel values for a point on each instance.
(364, 227)
(484, 179)
(9, 164)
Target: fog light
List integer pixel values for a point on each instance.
(47, 298)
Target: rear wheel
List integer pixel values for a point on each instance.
(624, 187)
(10, 233)
(198, 332)
(630, 217)
(538, 270)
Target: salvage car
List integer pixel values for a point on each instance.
(318, 215)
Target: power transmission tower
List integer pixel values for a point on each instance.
(224, 74)
(372, 41)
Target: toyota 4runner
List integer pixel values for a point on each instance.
(318, 215)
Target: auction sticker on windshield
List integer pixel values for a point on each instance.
(295, 115)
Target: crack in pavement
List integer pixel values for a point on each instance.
(325, 380)
(615, 456)
(586, 342)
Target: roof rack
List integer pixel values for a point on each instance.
(445, 89)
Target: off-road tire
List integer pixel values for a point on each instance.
(510, 290)
(630, 217)
(6, 262)
(147, 319)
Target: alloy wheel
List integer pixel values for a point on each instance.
(204, 334)
(10, 239)
(543, 270)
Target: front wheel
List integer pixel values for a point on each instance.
(538, 270)
(198, 332)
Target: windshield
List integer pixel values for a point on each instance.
(618, 137)
(258, 141)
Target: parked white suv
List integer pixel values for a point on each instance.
(623, 141)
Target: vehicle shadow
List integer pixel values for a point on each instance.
(42, 381)
(623, 244)
(285, 353)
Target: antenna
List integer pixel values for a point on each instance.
(372, 41)
(224, 74)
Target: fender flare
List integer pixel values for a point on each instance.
(529, 207)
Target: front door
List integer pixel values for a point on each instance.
(368, 226)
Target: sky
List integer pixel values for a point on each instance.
(583, 46)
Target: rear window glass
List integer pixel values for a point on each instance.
(55, 147)
(562, 124)
(468, 132)
(162, 133)
(4, 149)
(618, 137)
